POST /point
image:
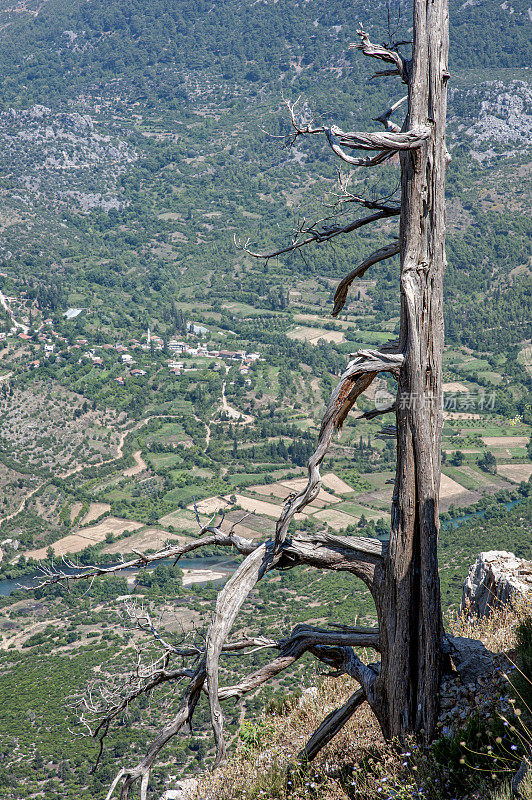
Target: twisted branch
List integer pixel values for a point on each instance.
(402, 65)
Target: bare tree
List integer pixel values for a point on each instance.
(402, 575)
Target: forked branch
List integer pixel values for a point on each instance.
(385, 116)
(317, 234)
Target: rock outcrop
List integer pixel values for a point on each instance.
(494, 579)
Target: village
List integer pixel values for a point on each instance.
(48, 342)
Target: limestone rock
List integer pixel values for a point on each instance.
(494, 578)
(183, 790)
(471, 658)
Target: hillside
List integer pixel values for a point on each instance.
(153, 376)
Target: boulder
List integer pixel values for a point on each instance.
(494, 579)
(183, 790)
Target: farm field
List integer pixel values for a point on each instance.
(515, 472)
(313, 335)
(75, 542)
(144, 540)
(95, 510)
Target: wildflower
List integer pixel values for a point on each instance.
(517, 712)
(513, 747)
(498, 740)
(462, 761)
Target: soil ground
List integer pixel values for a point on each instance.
(95, 510)
(515, 472)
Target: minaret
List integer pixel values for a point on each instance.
(148, 340)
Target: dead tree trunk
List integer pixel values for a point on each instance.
(409, 598)
(402, 575)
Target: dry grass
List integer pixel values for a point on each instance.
(515, 472)
(357, 764)
(498, 631)
(265, 754)
(95, 534)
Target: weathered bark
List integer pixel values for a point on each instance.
(409, 607)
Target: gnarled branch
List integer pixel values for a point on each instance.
(392, 141)
(381, 52)
(323, 550)
(303, 638)
(228, 604)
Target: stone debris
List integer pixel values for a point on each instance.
(500, 113)
(479, 686)
(495, 577)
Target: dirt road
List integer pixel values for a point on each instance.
(233, 413)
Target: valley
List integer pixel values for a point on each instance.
(155, 378)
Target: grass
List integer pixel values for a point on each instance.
(157, 460)
(357, 510)
(476, 763)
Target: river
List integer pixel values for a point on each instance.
(199, 565)
(217, 565)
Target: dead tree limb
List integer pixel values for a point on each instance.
(402, 65)
(382, 254)
(318, 235)
(331, 725)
